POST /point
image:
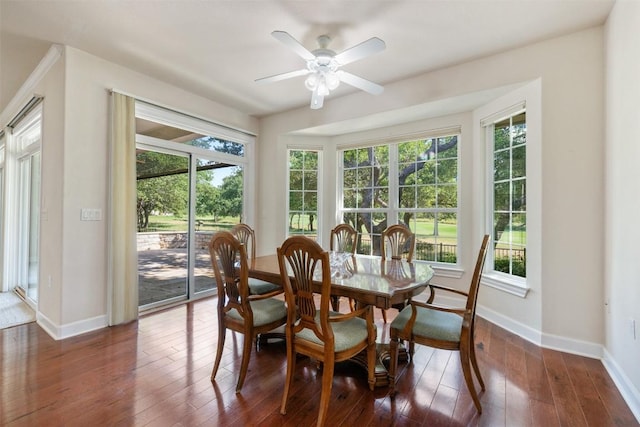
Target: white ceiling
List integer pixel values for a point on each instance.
(217, 48)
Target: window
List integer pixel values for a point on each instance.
(509, 195)
(412, 182)
(2, 206)
(27, 141)
(191, 182)
(304, 167)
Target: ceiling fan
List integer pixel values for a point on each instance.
(323, 66)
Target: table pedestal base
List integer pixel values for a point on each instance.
(382, 356)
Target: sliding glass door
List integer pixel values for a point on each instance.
(189, 185)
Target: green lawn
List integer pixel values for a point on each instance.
(179, 223)
(424, 229)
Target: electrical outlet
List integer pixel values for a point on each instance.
(88, 214)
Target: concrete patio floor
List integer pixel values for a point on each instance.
(162, 274)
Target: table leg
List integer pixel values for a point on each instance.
(382, 357)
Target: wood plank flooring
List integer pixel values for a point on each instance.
(155, 372)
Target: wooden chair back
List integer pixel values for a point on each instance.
(398, 242)
(307, 262)
(229, 262)
(344, 238)
(247, 236)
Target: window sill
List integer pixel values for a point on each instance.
(506, 284)
(441, 270)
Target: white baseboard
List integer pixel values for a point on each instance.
(553, 342)
(59, 332)
(520, 329)
(629, 392)
(570, 345)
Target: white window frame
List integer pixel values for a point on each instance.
(168, 117)
(26, 140)
(527, 97)
(3, 139)
(392, 211)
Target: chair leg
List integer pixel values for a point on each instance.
(393, 365)
(384, 315)
(465, 359)
(474, 363)
(335, 303)
(291, 367)
(371, 365)
(222, 334)
(325, 394)
(246, 355)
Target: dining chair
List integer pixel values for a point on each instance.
(247, 235)
(397, 242)
(318, 332)
(442, 327)
(238, 310)
(343, 238)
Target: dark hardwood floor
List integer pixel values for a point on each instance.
(155, 372)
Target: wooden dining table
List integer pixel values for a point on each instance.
(369, 280)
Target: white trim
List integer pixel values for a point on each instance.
(25, 92)
(442, 270)
(522, 330)
(401, 137)
(60, 332)
(571, 345)
(166, 115)
(629, 392)
(512, 287)
(553, 342)
(503, 114)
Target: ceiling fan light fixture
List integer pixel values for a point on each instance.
(323, 66)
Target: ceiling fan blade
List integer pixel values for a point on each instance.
(362, 50)
(360, 83)
(317, 100)
(294, 44)
(283, 76)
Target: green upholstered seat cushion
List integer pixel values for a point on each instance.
(429, 323)
(259, 287)
(346, 334)
(264, 311)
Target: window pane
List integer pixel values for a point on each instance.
(310, 160)
(295, 200)
(501, 196)
(407, 197)
(447, 171)
(501, 165)
(311, 180)
(501, 135)
(519, 164)
(295, 180)
(426, 196)
(427, 174)
(519, 202)
(188, 137)
(447, 196)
